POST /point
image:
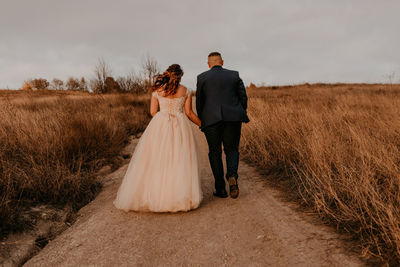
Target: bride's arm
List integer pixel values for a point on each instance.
(153, 105)
(189, 111)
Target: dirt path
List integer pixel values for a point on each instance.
(257, 229)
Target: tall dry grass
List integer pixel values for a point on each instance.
(338, 148)
(52, 143)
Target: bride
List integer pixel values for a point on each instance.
(163, 174)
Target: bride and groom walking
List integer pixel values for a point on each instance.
(163, 174)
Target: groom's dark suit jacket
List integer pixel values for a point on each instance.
(220, 96)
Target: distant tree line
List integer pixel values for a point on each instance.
(103, 80)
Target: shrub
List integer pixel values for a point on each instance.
(39, 83)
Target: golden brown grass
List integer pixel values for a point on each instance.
(338, 147)
(52, 143)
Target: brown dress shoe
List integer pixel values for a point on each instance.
(233, 187)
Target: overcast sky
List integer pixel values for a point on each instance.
(270, 41)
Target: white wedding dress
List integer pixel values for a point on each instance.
(163, 174)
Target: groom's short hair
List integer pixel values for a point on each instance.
(214, 54)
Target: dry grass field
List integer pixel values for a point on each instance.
(336, 148)
(53, 142)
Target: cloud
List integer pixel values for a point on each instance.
(276, 42)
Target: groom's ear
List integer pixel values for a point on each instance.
(222, 62)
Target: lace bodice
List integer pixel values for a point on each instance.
(171, 105)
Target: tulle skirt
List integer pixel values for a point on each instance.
(163, 174)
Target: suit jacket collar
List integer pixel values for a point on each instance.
(216, 67)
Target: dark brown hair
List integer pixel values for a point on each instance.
(213, 54)
(170, 78)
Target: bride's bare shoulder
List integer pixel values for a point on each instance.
(182, 90)
(185, 90)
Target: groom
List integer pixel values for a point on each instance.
(221, 104)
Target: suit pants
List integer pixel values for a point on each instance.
(227, 134)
